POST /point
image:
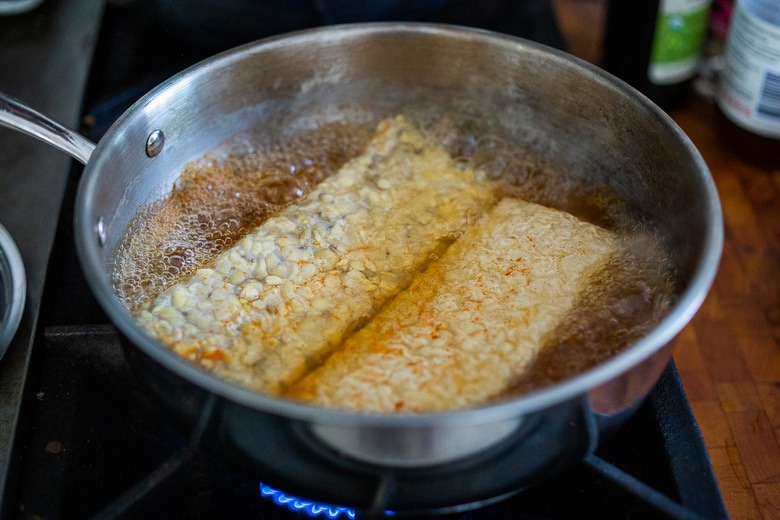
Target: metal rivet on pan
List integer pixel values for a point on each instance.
(155, 143)
(100, 227)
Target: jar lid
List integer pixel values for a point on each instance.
(13, 289)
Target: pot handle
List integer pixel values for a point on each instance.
(18, 116)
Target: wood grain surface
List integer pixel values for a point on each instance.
(729, 355)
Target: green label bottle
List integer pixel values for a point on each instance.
(655, 45)
(680, 30)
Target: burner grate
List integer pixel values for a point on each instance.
(656, 466)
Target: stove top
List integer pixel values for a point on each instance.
(101, 447)
(88, 441)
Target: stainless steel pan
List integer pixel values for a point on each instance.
(568, 114)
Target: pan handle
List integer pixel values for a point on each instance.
(18, 116)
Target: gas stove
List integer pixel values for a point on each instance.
(81, 436)
(100, 447)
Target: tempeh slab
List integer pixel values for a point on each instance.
(286, 294)
(473, 322)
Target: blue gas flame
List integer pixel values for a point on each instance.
(313, 509)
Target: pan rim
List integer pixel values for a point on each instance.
(576, 387)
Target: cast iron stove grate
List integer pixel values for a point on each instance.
(101, 448)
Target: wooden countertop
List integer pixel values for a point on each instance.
(729, 355)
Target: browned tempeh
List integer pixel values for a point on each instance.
(288, 292)
(472, 322)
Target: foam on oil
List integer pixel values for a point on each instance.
(217, 201)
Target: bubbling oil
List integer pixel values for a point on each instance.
(621, 302)
(218, 201)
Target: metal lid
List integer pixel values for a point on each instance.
(13, 289)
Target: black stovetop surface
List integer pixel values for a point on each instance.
(100, 446)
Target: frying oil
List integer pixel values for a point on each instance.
(217, 201)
